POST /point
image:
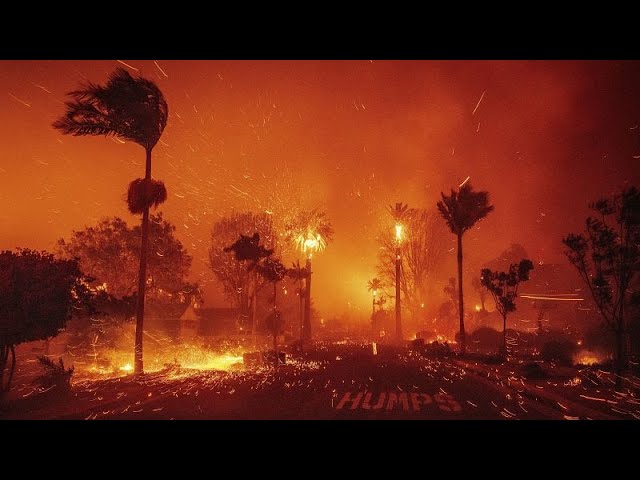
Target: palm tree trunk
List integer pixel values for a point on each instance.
(4, 352)
(254, 306)
(301, 298)
(142, 276)
(504, 335)
(463, 345)
(307, 305)
(398, 306)
(275, 295)
(13, 366)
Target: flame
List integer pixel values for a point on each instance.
(586, 357)
(126, 368)
(478, 308)
(310, 243)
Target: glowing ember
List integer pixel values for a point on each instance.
(127, 368)
(478, 308)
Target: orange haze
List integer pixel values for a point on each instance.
(352, 136)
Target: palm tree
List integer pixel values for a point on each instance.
(299, 273)
(133, 109)
(374, 285)
(249, 249)
(273, 271)
(462, 210)
(400, 213)
(310, 231)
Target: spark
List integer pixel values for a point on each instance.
(127, 65)
(41, 87)
(555, 299)
(161, 71)
(465, 181)
(21, 101)
(478, 104)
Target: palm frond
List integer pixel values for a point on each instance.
(464, 208)
(131, 108)
(143, 194)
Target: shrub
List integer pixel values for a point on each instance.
(559, 351)
(55, 376)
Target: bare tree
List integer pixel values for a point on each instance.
(503, 287)
(422, 253)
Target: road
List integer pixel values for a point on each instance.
(332, 382)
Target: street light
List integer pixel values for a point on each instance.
(399, 232)
(310, 243)
(373, 310)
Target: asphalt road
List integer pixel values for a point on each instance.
(333, 382)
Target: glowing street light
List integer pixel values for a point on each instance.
(373, 306)
(399, 212)
(398, 233)
(398, 260)
(309, 231)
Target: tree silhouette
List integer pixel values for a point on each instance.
(249, 249)
(607, 258)
(110, 253)
(310, 231)
(273, 271)
(421, 254)
(462, 210)
(37, 296)
(234, 276)
(400, 212)
(452, 293)
(299, 273)
(133, 109)
(503, 287)
(375, 286)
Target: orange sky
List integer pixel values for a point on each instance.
(350, 136)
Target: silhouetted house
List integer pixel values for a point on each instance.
(218, 321)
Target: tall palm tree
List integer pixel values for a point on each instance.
(310, 231)
(374, 285)
(133, 109)
(462, 210)
(400, 213)
(299, 273)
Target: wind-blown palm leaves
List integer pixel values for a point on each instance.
(400, 212)
(462, 210)
(133, 109)
(374, 285)
(310, 231)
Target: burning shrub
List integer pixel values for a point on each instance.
(55, 377)
(559, 351)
